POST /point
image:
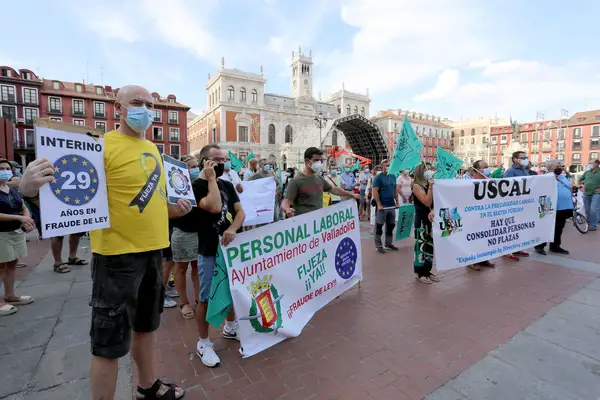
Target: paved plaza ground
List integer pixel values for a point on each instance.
(526, 330)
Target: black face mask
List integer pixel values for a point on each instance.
(219, 169)
(558, 171)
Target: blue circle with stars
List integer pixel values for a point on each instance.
(75, 180)
(345, 258)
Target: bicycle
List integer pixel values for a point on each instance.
(579, 220)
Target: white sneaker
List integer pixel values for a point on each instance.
(207, 354)
(231, 333)
(169, 302)
(171, 292)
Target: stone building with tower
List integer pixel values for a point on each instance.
(242, 118)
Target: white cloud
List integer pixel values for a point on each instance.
(524, 87)
(447, 82)
(400, 42)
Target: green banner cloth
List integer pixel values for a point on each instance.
(447, 164)
(406, 216)
(250, 156)
(497, 173)
(219, 301)
(406, 154)
(356, 166)
(236, 163)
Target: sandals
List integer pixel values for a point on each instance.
(434, 278)
(152, 392)
(188, 313)
(61, 268)
(76, 261)
(7, 309)
(424, 279)
(21, 301)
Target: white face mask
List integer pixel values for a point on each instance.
(524, 163)
(378, 172)
(589, 167)
(367, 170)
(317, 166)
(428, 175)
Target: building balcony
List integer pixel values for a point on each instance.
(576, 148)
(575, 161)
(78, 114)
(174, 139)
(9, 99)
(33, 103)
(100, 115)
(158, 138)
(157, 120)
(173, 121)
(28, 121)
(24, 145)
(55, 111)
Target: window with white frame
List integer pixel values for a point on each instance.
(595, 143)
(577, 133)
(362, 111)
(56, 119)
(56, 85)
(101, 125)
(503, 139)
(576, 144)
(596, 130)
(29, 138)
(80, 122)
(594, 155)
(157, 133)
(8, 94)
(98, 90)
(254, 96)
(560, 157)
(157, 115)
(54, 104)
(9, 113)
(78, 107)
(78, 88)
(30, 114)
(173, 117)
(242, 133)
(172, 100)
(26, 75)
(348, 110)
(160, 148)
(243, 94)
(576, 156)
(30, 96)
(99, 109)
(175, 151)
(272, 135)
(174, 135)
(230, 93)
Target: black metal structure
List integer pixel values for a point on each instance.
(363, 136)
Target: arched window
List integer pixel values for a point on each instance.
(362, 111)
(289, 135)
(254, 96)
(339, 109)
(348, 110)
(472, 131)
(284, 161)
(231, 93)
(462, 133)
(334, 141)
(271, 134)
(452, 133)
(355, 110)
(243, 94)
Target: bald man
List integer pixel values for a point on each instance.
(128, 291)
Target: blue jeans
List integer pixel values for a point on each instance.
(592, 208)
(206, 265)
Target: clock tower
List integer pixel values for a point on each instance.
(301, 69)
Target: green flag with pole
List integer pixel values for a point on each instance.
(407, 151)
(236, 163)
(447, 164)
(219, 301)
(497, 173)
(356, 166)
(250, 156)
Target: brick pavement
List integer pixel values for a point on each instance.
(393, 338)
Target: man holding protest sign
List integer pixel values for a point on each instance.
(520, 167)
(305, 192)
(480, 170)
(385, 194)
(220, 214)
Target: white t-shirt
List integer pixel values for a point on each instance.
(231, 176)
(405, 184)
(248, 174)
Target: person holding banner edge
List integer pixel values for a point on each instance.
(385, 194)
(480, 170)
(220, 215)
(423, 201)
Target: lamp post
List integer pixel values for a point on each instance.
(320, 122)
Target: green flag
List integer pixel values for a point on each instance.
(250, 156)
(447, 164)
(406, 216)
(356, 166)
(406, 154)
(497, 173)
(219, 301)
(343, 169)
(236, 163)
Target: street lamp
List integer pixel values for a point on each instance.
(320, 122)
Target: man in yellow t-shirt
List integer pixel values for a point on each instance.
(128, 291)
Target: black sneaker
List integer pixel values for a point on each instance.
(541, 251)
(381, 250)
(392, 247)
(559, 250)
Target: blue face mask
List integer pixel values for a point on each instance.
(267, 168)
(194, 173)
(227, 164)
(6, 175)
(334, 172)
(139, 118)
(486, 171)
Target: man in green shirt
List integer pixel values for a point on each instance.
(591, 193)
(305, 192)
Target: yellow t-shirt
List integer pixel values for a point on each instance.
(137, 200)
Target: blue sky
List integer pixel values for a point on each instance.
(452, 58)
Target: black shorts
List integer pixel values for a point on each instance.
(127, 294)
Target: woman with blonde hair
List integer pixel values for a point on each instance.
(422, 190)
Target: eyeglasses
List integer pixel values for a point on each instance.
(217, 159)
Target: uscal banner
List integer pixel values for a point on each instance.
(481, 219)
(281, 274)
